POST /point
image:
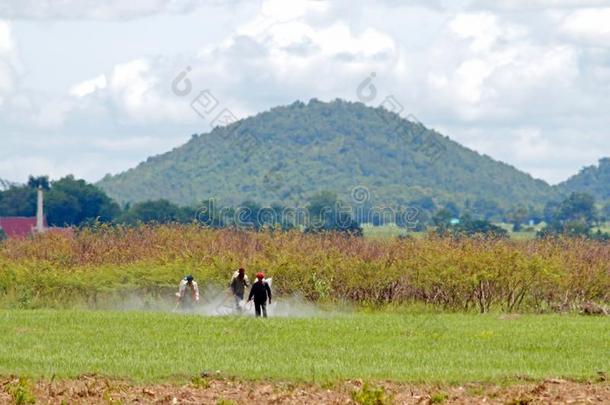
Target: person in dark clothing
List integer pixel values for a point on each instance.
(238, 285)
(260, 291)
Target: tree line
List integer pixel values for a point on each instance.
(74, 202)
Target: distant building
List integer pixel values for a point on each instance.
(18, 227)
(21, 227)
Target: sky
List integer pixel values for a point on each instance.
(91, 87)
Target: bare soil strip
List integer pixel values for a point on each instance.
(99, 390)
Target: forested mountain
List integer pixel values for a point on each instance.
(594, 180)
(289, 153)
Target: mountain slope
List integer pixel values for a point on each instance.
(289, 153)
(594, 180)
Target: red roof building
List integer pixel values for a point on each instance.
(19, 227)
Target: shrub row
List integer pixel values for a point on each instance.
(464, 274)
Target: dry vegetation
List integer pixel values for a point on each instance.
(466, 274)
(98, 390)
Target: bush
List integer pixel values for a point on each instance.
(372, 396)
(21, 392)
(95, 266)
(438, 398)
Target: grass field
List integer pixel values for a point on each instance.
(152, 347)
(392, 231)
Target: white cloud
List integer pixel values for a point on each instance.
(6, 40)
(89, 86)
(517, 80)
(487, 69)
(94, 9)
(140, 90)
(530, 145)
(131, 82)
(284, 11)
(9, 63)
(536, 5)
(292, 55)
(482, 28)
(126, 144)
(590, 25)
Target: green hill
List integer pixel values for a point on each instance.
(594, 180)
(289, 153)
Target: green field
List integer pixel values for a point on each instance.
(392, 231)
(151, 347)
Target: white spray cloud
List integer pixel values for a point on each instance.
(216, 301)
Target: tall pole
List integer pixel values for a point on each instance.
(40, 211)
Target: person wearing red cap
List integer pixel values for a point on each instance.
(260, 291)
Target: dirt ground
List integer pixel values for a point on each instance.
(99, 390)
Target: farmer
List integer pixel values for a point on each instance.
(260, 291)
(238, 285)
(188, 293)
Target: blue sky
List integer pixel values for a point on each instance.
(85, 86)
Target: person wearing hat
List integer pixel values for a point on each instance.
(188, 293)
(260, 291)
(238, 285)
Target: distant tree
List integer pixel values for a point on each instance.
(413, 218)
(251, 215)
(5, 185)
(605, 212)
(486, 209)
(247, 215)
(466, 226)
(207, 213)
(63, 209)
(158, 211)
(574, 216)
(74, 202)
(328, 213)
(578, 206)
(535, 214)
(442, 220)
(2, 235)
(286, 219)
(550, 211)
(41, 181)
(517, 216)
(424, 203)
(471, 227)
(18, 201)
(453, 209)
(67, 201)
(576, 227)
